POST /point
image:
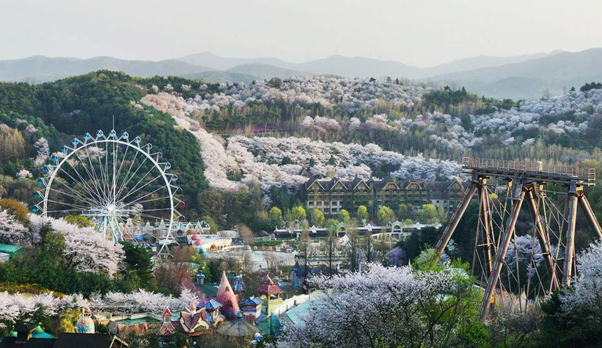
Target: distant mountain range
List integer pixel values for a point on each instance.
(529, 78)
(43, 69)
(525, 76)
(358, 66)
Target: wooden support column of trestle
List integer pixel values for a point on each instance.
(542, 235)
(501, 255)
(569, 252)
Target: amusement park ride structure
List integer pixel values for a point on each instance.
(553, 218)
(109, 179)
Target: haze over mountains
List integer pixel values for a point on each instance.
(525, 76)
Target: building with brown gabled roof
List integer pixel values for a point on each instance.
(333, 194)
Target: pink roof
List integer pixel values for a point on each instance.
(225, 296)
(269, 287)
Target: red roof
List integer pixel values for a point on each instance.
(269, 287)
(167, 312)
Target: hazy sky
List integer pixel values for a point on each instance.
(416, 32)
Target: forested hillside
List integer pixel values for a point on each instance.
(249, 143)
(59, 110)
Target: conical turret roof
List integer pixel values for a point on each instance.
(225, 296)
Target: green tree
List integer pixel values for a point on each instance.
(317, 218)
(210, 222)
(385, 215)
(441, 214)
(429, 214)
(79, 220)
(15, 208)
(139, 265)
(12, 145)
(275, 215)
(304, 242)
(298, 213)
(333, 225)
(353, 245)
(286, 160)
(362, 213)
(404, 211)
(343, 216)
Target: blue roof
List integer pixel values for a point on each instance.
(42, 335)
(211, 305)
(10, 249)
(253, 301)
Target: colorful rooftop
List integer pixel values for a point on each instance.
(225, 296)
(211, 305)
(253, 301)
(269, 287)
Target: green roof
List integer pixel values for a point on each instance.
(10, 249)
(38, 329)
(271, 326)
(295, 314)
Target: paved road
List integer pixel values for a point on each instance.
(259, 258)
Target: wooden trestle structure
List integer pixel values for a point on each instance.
(554, 226)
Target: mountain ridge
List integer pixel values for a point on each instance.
(517, 77)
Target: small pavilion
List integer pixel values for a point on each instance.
(270, 292)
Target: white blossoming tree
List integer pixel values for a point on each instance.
(85, 249)
(394, 306)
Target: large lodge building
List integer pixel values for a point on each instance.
(332, 195)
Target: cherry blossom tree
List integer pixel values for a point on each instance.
(18, 306)
(85, 248)
(586, 291)
(384, 306)
(11, 230)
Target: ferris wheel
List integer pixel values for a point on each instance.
(111, 180)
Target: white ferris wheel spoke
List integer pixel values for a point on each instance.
(131, 177)
(134, 189)
(91, 173)
(158, 209)
(124, 182)
(90, 200)
(156, 218)
(119, 172)
(83, 185)
(69, 204)
(107, 181)
(137, 200)
(80, 198)
(147, 201)
(66, 211)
